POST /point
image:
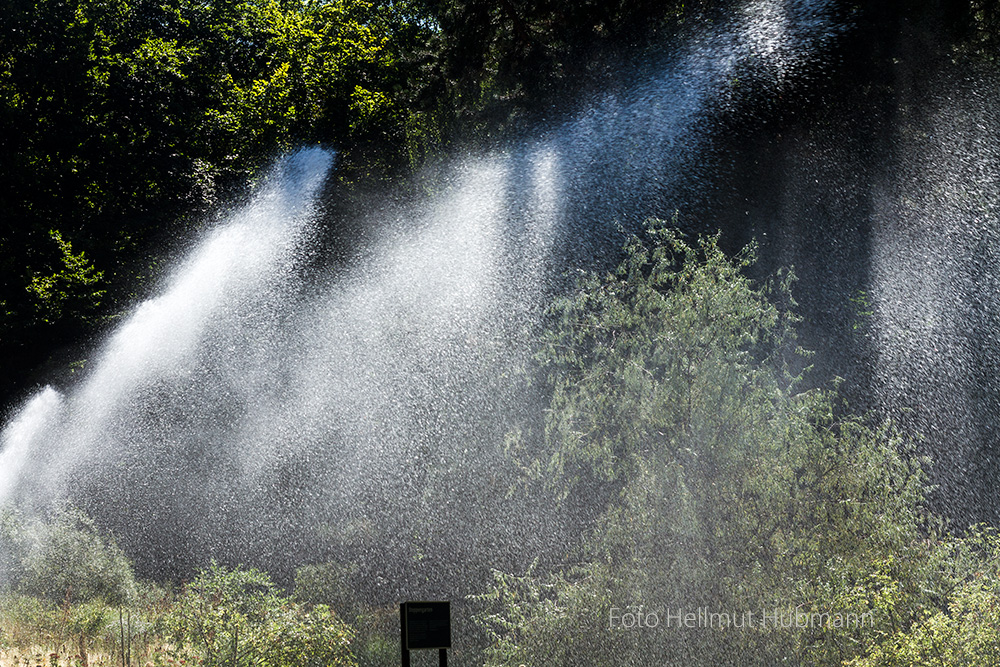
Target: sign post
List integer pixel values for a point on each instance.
(425, 625)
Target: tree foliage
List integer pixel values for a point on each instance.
(122, 121)
(492, 65)
(70, 292)
(675, 385)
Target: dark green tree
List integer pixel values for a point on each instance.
(495, 65)
(122, 122)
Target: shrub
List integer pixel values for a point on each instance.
(329, 584)
(65, 559)
(963, 631)
(238, 617)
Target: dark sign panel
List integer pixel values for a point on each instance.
(428, 625)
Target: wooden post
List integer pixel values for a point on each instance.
(404, 652)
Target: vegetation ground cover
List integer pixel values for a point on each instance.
(674, 386)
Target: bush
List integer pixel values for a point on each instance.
(27, 620)
(963, 631)
(66, 560)
(296, 636)
(237, 617)
(328, 584)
